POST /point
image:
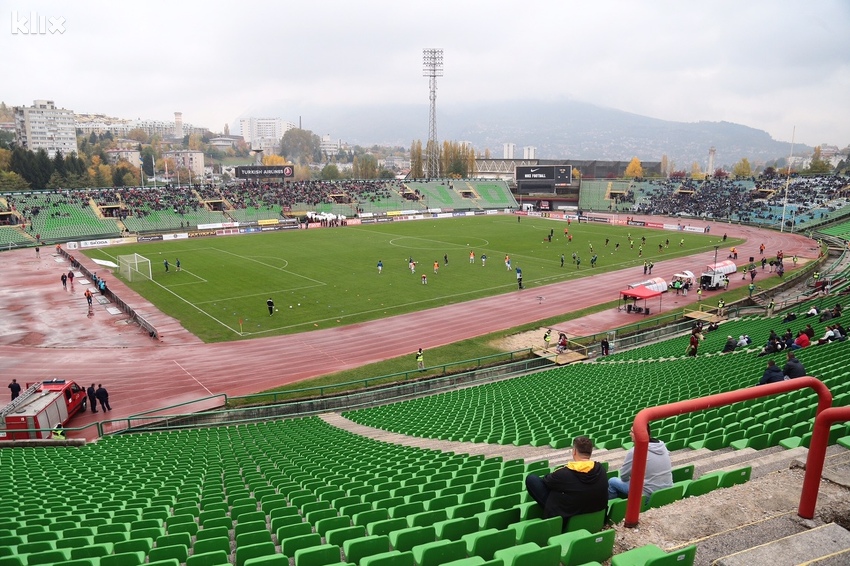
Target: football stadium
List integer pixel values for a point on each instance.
(368, 372)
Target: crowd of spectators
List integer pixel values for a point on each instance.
(748, 200)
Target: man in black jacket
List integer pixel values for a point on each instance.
(772, 374)
(793, 367)
(92, 398)
(580, 486)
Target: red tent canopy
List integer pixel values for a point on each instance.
(639, 293)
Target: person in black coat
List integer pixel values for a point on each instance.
(730, 345)
(793, 367)
(579, 487)
(92, 398)
(772, 374)
(103, 396)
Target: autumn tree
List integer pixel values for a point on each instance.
(742, 168)
(273, 159)
(634, 169)
(696, 171)
(417, 170)
(5, 158)
(818, 165)
(139, 135)
(365, 167)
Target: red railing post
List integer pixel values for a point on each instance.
(817, 454)
(645, 416)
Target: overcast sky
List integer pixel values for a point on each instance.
(772, 65)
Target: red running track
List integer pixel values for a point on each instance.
(46, 332)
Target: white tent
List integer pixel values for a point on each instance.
(654, 284)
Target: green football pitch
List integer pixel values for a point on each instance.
(329, 277)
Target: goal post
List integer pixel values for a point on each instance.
(134, 267)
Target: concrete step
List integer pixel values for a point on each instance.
(826, 542)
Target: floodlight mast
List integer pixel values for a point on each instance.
(432, 63)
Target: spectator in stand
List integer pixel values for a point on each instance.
(658, 474)
(742, 341)
(828, 336)
(772, 374)
(580, 486)
(793, 367)
(730, 345)
(771, 347)
(810, 332)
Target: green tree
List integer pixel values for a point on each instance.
(42, 170)
(330, 172)
(56, 181)
(59, 164)
(11, 181)
(6, 139)
(301, 146)
(147, 164)
(742, 168)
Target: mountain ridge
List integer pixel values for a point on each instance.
(559, 129)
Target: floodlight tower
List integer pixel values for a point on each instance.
(432, 63)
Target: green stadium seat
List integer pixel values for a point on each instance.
(485, 543)
(253, 537)
(391, 558)
(289, 546)
(214, 558)
(134, 545)
(294, 530)
(651, 555)
(665, 496)
(438, 552)
(701, 486)
(537, 531)
(406, 539)
(268, 560)
(530, 554)
(592, 522)
(321, 555)
(386, 526)
(123, 559)
(48, 557)
(210, 545)
(581, 546)
(359, 548)
(179, 552)
(498, 518)
(339, 536)
(262, 549)
(455, 529)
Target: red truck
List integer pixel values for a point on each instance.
(44, 405)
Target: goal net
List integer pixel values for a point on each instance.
(134, 267)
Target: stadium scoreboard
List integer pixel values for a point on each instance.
(544, 175)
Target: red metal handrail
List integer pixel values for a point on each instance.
(817, 454)
(645, 416)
